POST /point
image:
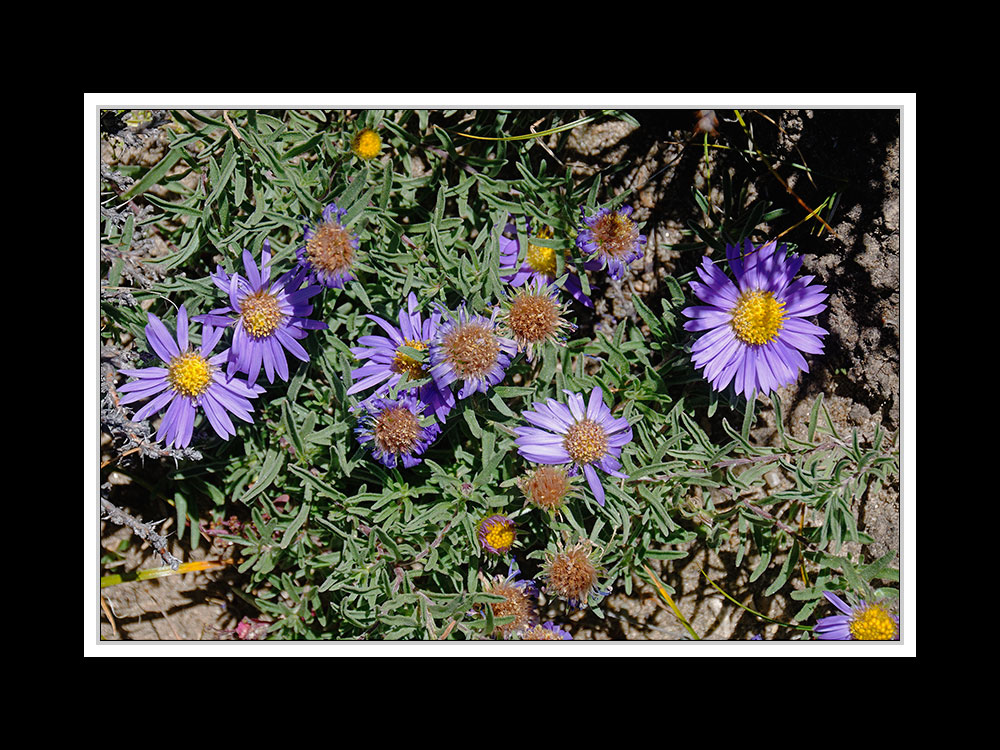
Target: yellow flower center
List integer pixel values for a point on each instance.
(757, 317)
(500, 535)
(261, 314)
(404, 363)
(586, 441)
(189, 374)
(367, 144)
(873, 623)
(542, 259)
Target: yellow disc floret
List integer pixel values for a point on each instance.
(189, 374)
(404, 363)
(872, 623)
(500, 535)
(367, 144)
(757, 317)
(585, 441)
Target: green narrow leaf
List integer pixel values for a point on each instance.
(295, 525)
(154, 175)
(814, 416)
(273, 461)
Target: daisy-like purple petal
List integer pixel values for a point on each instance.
(581, 433)
(190, 380)
(754, 324)
(386, 364)
(863, 622)
(268, 317)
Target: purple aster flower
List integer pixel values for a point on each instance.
(330, 249)
(539, 264)
(612, 238)
(496, 534)
(386, 363)
(190, 380)
(584, 435)
(756, 327)
(468, 348)
(396, 429)
(268, 317)
(864, 622)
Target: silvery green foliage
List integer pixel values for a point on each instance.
(332, 544)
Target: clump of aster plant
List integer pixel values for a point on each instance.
(533, 316)
(572, 573)
(865, 621)
(191, 380)
(755, 323)
(612, 239)
(330, 249)
(268, 317)
(396, 429)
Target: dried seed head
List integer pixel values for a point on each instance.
(520, 600)
(571, 573)
(547, 487)
(396, 430)
(471, 348)
(331, 249)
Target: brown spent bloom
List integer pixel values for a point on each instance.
(571, 574)
(547, 487)
(533, 316)
(331, 249)
(396, 430)
(519, 600)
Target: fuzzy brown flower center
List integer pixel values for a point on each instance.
(471, 349)
(516, 603)
(585, 441)
(615, 235)
(547, 487)
(330, 248)
(396, 430)
(572, 574)
(533, 317)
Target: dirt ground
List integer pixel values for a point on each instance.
(859, 375)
